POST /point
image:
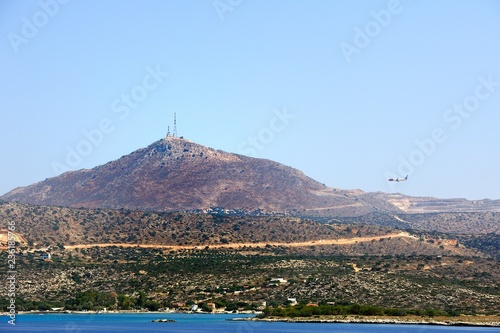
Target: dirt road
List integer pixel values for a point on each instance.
(320, 242)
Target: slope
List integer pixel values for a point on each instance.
(177, 174)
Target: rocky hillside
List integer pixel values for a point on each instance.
(69, 226)
(414, 205)
(177, 174)
(43, 226)
(455, 223)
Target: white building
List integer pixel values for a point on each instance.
(45, 256)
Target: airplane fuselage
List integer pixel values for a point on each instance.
(398, 179)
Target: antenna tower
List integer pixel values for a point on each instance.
(168, 131)
(175, 125)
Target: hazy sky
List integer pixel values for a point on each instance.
(349, 92)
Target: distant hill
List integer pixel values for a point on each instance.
(174, 174)
(414, 205)
(43, 226)
(447, 222)
(177, 174)
(49, 225)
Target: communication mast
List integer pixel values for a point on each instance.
(174, 134)
(175, 125)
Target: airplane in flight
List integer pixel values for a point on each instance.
(398, 179)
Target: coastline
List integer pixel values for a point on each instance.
(476, 321)
(130, 312)
(463, 320)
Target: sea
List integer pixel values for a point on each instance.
(202, 323)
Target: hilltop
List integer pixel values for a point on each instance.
(175, 174)
(179, 223)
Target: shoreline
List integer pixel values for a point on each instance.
(75, 312)
(474, 321)
(463, 320)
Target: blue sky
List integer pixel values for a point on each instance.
(349, 92)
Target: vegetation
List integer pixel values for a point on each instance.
(429, 272)
(69, 226)
(449, 222)
(488, 243)
(138, 278)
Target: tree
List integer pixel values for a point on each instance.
(124, 302)
(152, 305)
(204, 307)
(141, 300)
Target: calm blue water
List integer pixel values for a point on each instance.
(194, 323)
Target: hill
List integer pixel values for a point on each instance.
(174, 174)
(177, 174)
(69, 226)
(177, 223)
(176, 257)
(415, 205)
(451, 222)
(135, 278)
(63, 227)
